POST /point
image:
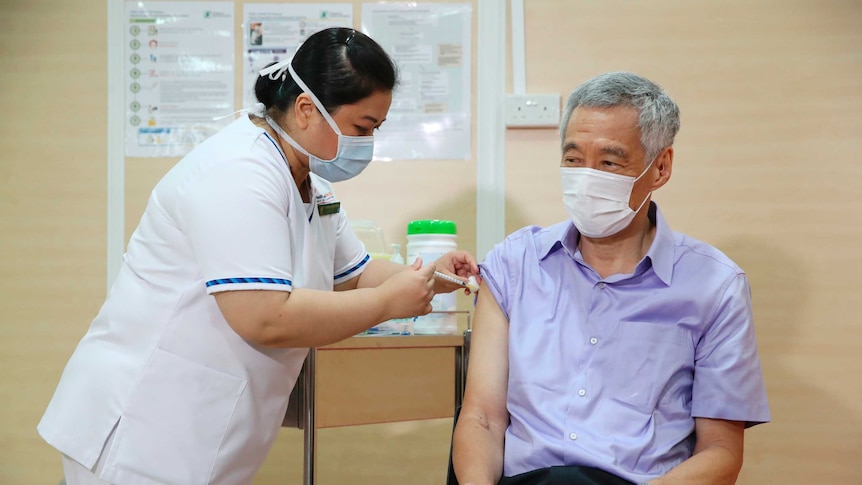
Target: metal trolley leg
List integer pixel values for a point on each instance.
(309, 429)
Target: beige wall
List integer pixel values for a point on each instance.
(52, 211)
(766, 169)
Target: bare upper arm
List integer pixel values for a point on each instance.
(248, 311)
(720, 432)
(488, 369)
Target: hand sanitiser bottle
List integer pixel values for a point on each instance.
(396, 254)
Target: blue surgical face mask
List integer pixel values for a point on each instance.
(354, 152)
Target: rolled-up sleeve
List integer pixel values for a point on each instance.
(495, 274)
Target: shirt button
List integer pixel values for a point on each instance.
(594, 341)
(602, 286)
(573, 436)
(582, 392)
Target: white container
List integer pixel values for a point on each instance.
(430, 239)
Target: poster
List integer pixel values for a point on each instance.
(430, 117)
(179, 75)
(273, 32)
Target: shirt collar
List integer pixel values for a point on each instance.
(662, 248)
(660, 254)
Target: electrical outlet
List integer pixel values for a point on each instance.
(533, 110)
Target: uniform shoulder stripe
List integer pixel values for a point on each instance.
(227, 281)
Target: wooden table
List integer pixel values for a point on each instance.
(376, 379)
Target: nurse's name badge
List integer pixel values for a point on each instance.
(328, 209)
(327, 204)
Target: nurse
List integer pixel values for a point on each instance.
(184, 375)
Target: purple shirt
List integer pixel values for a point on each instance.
(611, 372)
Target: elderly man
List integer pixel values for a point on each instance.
(608, 348)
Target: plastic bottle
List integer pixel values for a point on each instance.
(396, 254)
(430, 239)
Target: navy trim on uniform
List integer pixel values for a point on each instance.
(288, 166)
(226, 281)
(275, 145)
(351, 270)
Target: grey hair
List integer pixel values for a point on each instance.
(658, 114)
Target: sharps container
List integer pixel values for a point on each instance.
(430, 239)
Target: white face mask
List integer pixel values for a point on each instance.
(598, 202)
(354, 152)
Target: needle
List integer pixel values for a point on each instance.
(469, 284)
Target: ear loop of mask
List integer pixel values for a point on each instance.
(314, 99)
(638, 178)
(280, 69)
(290, 141)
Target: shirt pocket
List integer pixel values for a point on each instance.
(174, 422)
(652, 365)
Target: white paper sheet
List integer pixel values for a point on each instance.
(430, 117)
(179, 74)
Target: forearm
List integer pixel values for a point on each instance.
(477, 451)
(458, 263)
(312, 318)
(378, 271)
(303, 317)
(714, 465)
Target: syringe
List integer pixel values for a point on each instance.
(470, 284)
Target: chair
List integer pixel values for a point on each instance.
(450, 477)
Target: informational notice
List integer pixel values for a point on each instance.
(179, 74)
(273, 32)
(431, 107)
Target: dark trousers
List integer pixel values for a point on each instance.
(565, 475)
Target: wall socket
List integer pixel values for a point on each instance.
(533, 110)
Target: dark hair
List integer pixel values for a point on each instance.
(339, 65)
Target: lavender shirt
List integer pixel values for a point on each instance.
(611, 372)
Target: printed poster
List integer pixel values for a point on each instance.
(273, 32)
(179, 74)
(430, 117)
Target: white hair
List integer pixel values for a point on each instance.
(658, 114)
